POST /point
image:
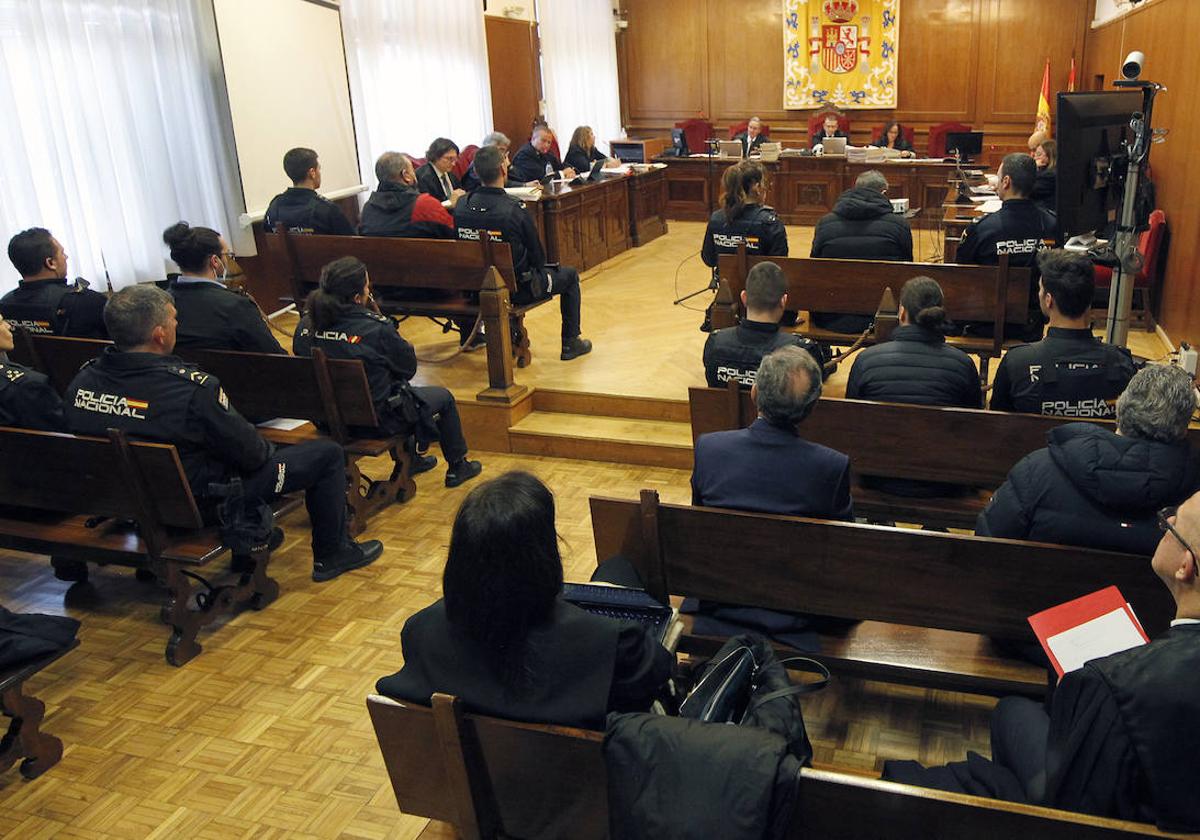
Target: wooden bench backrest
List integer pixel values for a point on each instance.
(918, 578)
(88, 475)
(58, 357)
(270, 385)
(443, 264)
(488, 776)
(965, 446)
(856, 286)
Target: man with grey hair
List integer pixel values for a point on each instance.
(1097, 488)
(768, 467)
(138, 386)
(862, 226)
(752, 137)
(470, 179)
(734, 353)
(398, 208)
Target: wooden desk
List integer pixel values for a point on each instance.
(585, 225)
(803, 189)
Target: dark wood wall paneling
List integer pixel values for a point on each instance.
(1164, 30)
(974, 61)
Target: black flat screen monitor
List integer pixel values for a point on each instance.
(1089, 128)
(966, 142)
(679, 142)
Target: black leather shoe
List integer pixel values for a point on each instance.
(422, 464)
(575, 348)
(351, 556)
(463, 471)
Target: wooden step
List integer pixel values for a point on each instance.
(596, 437)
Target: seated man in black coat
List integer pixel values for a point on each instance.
(533, 161)
(436, 176)
(301, 208)
(1070, 372)
(43, 302)
(916, 366)
(1100, 489)
(26, 399)
(770, 468)
(502, 640)
(862, 226)
(829, 128)
(398, 208)
(734, 353)
(752, 137)
(1120, 737)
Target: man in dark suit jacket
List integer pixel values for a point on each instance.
(436, 175)
(752, 137)
(828, 129)
(1119, 739)
(533, 161)
(769, 467)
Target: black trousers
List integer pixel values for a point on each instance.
(1019, 730)
(318, 468)
(564, 282)
(439, 402)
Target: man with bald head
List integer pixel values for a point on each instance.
(1122, 738)
(398, 208)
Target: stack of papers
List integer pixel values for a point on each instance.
(1087, 628)
(990, 206)
(523, 193)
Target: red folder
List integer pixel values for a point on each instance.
(1050, 623)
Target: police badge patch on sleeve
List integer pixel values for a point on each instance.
(222, 399)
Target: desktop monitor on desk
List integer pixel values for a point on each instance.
(966, 143)
(1090, 128)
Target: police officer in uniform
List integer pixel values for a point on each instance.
(139, 387)
(490, 209)
(736, 352)
(339, 322)
(301, 208)
(26, 399)
(1017, 228)
(744, 218)
(1070, 372)
(44, 302)
(211, 315)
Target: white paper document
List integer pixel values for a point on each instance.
(990, 206)
(523, 193)
(283, 424)
(1110, 633)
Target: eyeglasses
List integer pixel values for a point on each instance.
(1164, 523)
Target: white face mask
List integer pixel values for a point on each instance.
(224, 272)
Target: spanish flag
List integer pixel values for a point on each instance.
(1042, 122)
(1071, 77)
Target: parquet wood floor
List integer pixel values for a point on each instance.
(265, 734)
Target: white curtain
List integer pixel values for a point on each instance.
(109, 132)
(579, 69)
(418, 70)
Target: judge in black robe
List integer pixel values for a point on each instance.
(1123, 735)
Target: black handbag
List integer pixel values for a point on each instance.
(747, 685)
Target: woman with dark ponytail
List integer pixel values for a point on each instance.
(743, 217)
(341, 319)
(917, 366)
(503, 640)
(210, 315)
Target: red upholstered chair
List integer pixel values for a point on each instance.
(906, 131)
(417, 162)
(815, 121)
(1150, 246)
(696, 131)
(464, 161)
(937, 137)
(738, 128)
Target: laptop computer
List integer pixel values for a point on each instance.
(592, 175)
(729, 148)
(834, 145)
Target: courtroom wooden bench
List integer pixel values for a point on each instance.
(972, 448)
(333, 395)
(998, 295)
(435, 278)
(931, 604)
(24, 741)
(494, 778)
(112, 501)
